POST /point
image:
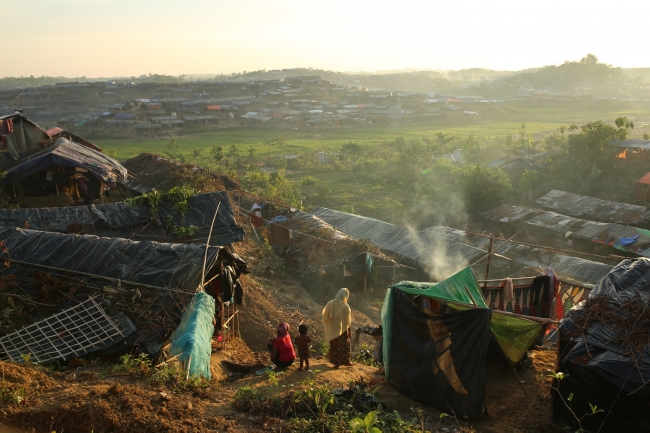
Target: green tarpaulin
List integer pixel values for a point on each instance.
(461, 291)
(513, 334)
(460, 287)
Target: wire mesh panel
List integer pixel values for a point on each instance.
(68, 334)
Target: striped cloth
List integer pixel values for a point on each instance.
(523, 303)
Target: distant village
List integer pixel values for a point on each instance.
(282, 99)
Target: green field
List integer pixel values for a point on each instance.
(311, 141)
(537, 119)
(364, 193)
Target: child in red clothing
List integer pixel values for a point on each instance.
(302, 341)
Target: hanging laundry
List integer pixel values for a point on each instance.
(541, 289)
(227, 285)
(7, 127)
(277, 219)
(239, 293)
(509, 289)
(368, 263)
(257, 221)
(279, 235)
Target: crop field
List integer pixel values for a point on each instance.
(311, 141)
(537, 119)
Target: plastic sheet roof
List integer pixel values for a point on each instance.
(594, 209)
(429, 246)
(164, 265)
(510, 213)
(637, 144)
(548, 224)
(125, 220)
(68, 154)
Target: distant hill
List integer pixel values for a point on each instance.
(637, 73)
(587, 70)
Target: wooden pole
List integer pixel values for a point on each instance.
(364, 280)
(505, 242)
(487, 267)
(254, 231)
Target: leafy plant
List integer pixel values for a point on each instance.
(174, 377)
(559, 376)
(180, 231)
(133, 365)
(14, 396)
(366, 425)
(273, 377)
(246, 398)
(178, 195)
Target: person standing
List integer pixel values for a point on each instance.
(337, 319)
(302, 341)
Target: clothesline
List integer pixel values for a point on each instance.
(499, 280)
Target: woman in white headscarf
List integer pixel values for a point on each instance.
(337, 319)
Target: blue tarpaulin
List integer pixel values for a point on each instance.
(192, 340)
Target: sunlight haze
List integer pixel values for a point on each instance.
(130, 38)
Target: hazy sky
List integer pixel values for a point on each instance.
(125, 38)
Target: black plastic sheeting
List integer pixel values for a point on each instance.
(611, 378)
(154, 311)
(439, 359)
(164, 265)
(126, 221)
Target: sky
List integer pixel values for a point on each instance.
(120, 38)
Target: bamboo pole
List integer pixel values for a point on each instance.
(207, 246)
(505, 242)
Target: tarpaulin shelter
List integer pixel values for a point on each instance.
(438, 355)
(595, 209)
(440, 249)
(66, 153)
(19, 135)
(126, 220)
(151, 282)
(605, 354)
(56, 133)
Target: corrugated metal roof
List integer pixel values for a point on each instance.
(594, 209)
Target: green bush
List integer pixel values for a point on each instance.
(309, 181)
